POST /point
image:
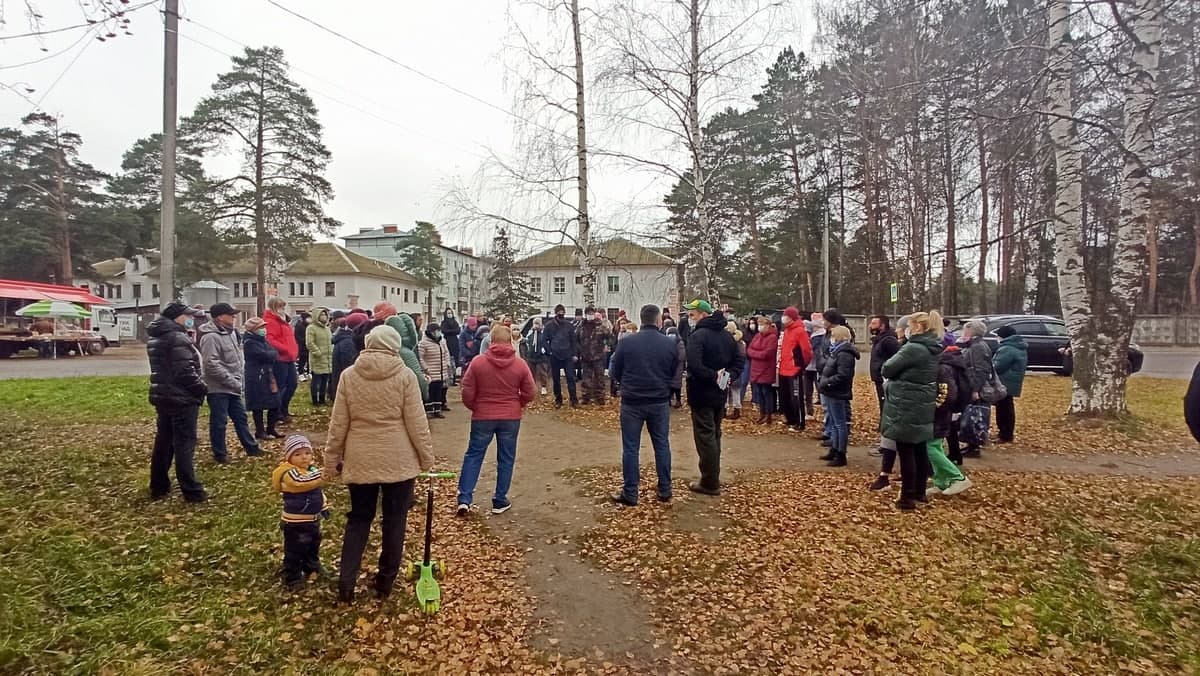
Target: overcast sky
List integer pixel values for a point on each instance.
(398, 140)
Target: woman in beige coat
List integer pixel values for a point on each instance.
(437, 367)
(378, 443)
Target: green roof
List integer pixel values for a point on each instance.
(616, 252)
(326, 258)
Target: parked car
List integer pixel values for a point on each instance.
(1046, 336)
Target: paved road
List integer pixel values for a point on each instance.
(131, 361)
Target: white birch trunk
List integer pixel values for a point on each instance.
(584, 252)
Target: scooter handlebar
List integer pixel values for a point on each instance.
(436, 475)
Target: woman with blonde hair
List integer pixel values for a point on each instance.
(378, 443)
(908, 408)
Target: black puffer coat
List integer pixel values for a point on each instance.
(709, 349)
(262, 394)
(883, 347)
(175, 378)
(837, 375)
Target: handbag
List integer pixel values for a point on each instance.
(993, 390)
(974, 425)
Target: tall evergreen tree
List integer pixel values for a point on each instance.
(510, 294)
(421, 257)
(259, 113)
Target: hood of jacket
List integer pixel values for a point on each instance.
(407, 329)
(161, 326)
(434, 333)
(378, 364)
(342, 334)
(953, 356)
(1017, 341)
(500, 354)
(211, 326)
(845, 347)
(929, 341)
(716, 322)
(320, 315)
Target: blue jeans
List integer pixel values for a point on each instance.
(482, 432)
(837, 417)
(657, 419)
(223, 407)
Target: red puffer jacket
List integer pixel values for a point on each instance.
(497, 385)
(282, 337)
(794, 336)
(761, 352)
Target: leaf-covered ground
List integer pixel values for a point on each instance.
(787, 572)
(1154, 425)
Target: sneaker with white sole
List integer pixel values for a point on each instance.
(957, 487)
(501, 510)
(932, 491)
(543, 391)
(463, 509)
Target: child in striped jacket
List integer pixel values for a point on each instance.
(299, 482)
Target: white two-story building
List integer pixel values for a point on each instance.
(328, 275)
(628, 276)
(464, 275)
(127, 283)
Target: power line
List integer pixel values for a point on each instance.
(73, 45)
(60, 75)
(92, 23)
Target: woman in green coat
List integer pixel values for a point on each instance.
(319, 341)
(911, 383)
(1010, 362)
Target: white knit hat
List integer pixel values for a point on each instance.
(295, 443)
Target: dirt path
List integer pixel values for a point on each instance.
(585, 611)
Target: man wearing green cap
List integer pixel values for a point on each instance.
(713, 362)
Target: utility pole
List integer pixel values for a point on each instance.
(825, 242)
(166, 245)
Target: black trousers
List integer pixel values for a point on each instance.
(706, 430)
(810, 388)
(914, 468)
(318, 387)
(301, 550)
(175, 442)
(272, 420)
(1006, 418)
(789, 400)
(953, 449)
(437, 395)
(567, 366)
(363, 499)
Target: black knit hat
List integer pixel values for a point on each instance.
(174, 310)
(1006, 331)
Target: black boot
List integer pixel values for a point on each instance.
(829, 455)
(838, 460)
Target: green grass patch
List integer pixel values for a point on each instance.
(83, 400)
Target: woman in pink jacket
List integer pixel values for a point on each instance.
(496, 388)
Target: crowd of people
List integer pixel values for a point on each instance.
(386, 373)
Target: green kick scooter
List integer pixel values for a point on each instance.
(427, 572)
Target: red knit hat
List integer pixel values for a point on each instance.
(356, 319)
(383, 310)
(792, 313)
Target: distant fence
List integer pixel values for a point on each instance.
(1151, 330)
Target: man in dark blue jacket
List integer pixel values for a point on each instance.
(561, 343)
(644, 365)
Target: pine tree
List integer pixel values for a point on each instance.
(510, 288)
(259, 113)
(420, 256)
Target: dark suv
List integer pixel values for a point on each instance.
(1045, 336)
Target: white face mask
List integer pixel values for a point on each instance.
(908, 334)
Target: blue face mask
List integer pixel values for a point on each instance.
(189, 323)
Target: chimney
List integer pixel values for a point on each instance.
(391, 228)
(437, 237)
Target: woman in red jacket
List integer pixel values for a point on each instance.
(282, 337)
(497, 387)
(795, 351)
(761, 352)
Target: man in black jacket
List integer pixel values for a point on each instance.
(644, 365)
(1191, 404)
(884, 345)
(176, 390)
(713, 362)
(561, 343)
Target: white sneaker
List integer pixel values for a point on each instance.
(463, 509)
(543, 391)
(932, 490)
(501, 510)
(957, 487)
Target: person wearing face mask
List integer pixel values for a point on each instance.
(436, 363)
(450, 331)
(319, 341)
(176, 391)
(224, 373)
(262, 390)
(836, 386)
(535, 355)
(282, 337)
(761, 354)
(561, 343)
(594, 333)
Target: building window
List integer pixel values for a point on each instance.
(134, 263)
(254, 290)
(535, 285)
(98, 290)
(560, 285)
(118, 292)
(137, 290)
(614, 284)
(310, 290)
(154, 290)
(330, 289)
(406, 295)
(578, 280)
(383, 292)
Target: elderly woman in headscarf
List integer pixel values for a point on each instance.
(378, 443)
